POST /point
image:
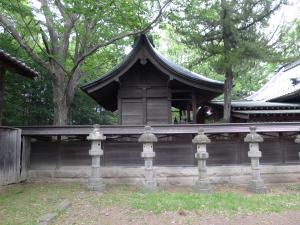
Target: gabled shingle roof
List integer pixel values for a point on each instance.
(175, 69)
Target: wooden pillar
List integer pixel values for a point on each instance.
(59, 152)
(194, 107)
(188, 112)
(25, 157)
(2, 73)
(145, 116)
(180, 116)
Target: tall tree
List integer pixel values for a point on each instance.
(61, 34)
(227, 33)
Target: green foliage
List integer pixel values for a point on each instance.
(196, 30)
(84, 110)
(73, 39)
(289, 45)
(29, 102)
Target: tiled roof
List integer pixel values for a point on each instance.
(258, 104)
(285, 82)
(18, 66)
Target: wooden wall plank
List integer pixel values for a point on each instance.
(170, 151)
(10, 154)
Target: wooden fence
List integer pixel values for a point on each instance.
(10, 150)
(174, 147)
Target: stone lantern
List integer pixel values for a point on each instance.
(148, 138)
(297, 141)
(256, 184)
(95, 182)
(202, 184)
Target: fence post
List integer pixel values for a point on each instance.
(202, 184)
(256, 185)
(95, 182)
(148, 138)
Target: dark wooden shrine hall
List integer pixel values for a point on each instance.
(146, 86)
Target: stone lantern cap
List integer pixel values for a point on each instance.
(253, 137)
(96, 134)
(201, 138)
(147, 136)
(297, 140)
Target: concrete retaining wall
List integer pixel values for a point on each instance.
(179, 176)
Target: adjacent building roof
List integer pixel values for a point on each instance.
(283, 86)
(258, 105)
(143, 51)
(245, 109)
(13, 64)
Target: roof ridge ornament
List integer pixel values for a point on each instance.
(143, 59)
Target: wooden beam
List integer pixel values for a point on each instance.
(84, 130)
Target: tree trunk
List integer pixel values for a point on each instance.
(60, 105)
(2, 73)
(227, 61)
(63, 92)
(61, 110)
(227, 94)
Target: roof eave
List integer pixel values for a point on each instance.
(217, 86)
(21, 68)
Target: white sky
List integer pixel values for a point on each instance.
(287, 13)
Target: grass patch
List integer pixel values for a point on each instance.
(219, 202)
(24, 204)
(294, 187)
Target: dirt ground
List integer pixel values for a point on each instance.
(82, 212)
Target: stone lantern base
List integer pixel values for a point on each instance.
(203, 186)
(257, 186)
(149, 186)
(96, 184)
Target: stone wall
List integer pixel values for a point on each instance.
(179, 176)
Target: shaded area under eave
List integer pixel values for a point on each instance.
(105, 89)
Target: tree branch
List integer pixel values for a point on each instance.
(60, 7)
(94, 48)
(49, 24)
(12, 30)
(260, 18)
